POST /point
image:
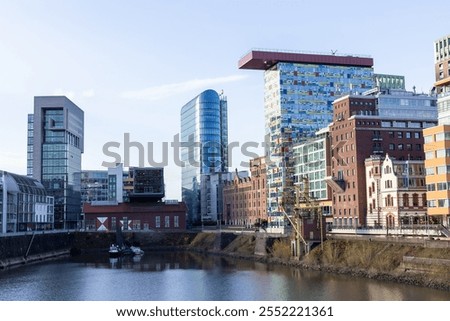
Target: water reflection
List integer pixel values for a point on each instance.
(191, 276)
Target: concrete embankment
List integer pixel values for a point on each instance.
(26, 248)
(419, 262)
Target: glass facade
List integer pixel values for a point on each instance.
(311, 163)
(24, 204)
(55, 145)
(298, 102)
(204, 137)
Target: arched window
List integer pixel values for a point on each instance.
(424, 199)
(415, 199)
(405, 200)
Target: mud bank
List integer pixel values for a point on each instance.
(402, 263)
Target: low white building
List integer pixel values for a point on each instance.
(24, 204)
(396, 192)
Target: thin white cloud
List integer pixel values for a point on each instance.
(88, 93)
(164, 91)
(67, 93)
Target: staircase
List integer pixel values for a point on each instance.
(445, 231)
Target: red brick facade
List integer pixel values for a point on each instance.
(244, 199)
(135, 216)
(356, 134)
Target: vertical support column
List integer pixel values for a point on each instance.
(5, 204)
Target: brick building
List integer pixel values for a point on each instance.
(244, 198)
(136, 216)
(373, 124)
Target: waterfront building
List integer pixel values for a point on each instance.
(244, 198)
(437, 139)
(55, 145)
(204, 139)
(299, 90)
(137, 216)
(147, 184)
(383, 122)
(24, 204)
(312, 163)
(396, 192)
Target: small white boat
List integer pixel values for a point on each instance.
(137, 250)
(114, 250)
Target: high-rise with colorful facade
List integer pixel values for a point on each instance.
(299, 90)
(55, 145)
(204, 153)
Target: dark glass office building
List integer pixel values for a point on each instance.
(55, 145)
(204, 137)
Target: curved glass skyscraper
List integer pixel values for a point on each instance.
(204, 138)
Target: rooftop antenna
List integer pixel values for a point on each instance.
(333, 52)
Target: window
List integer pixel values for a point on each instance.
(416, 135)
(399, 134)
(391, 146)
(167, 221)
(441, 186)
(428, 139)
(405, 200)
(400, 147)
(415, 199)
(176, 221)
(158, 221)
(408, 135)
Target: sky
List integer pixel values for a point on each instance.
(132, 65)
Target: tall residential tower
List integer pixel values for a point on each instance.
(55, 145)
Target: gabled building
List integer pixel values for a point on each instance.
(382, 122)
(396, 192)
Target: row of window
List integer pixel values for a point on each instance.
(438, 153)
(410, 147)
(437, 137)
(438, 170)
(441, 186)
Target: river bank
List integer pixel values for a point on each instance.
(403, 263)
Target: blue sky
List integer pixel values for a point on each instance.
(132, 65)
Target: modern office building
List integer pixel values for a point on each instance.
(437, 139)
(384, 122)
(204, 138)
(147, 183)
(299, 90)
(55, 145)
(103, 185)
(24, 204)
(312, 161)
(396, 192)
(385, 81)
